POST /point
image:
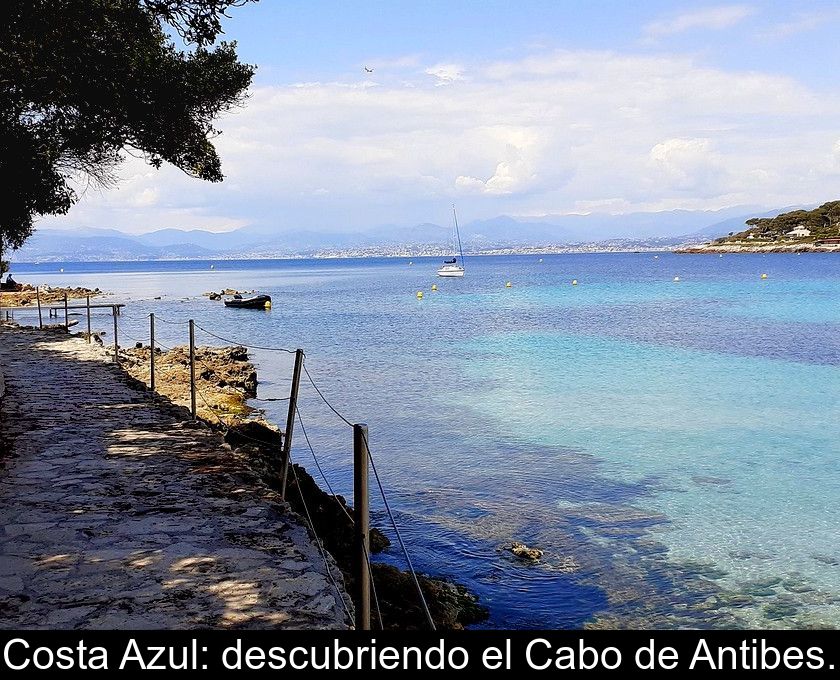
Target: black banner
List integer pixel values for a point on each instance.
(592, 653)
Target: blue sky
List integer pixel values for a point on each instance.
(526, 108)
(294, 40)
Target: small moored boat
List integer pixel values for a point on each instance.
(254, 302)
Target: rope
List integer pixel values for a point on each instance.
(173, 323)
(426, 611)
(242, 344)
(320, 547)
(323, 476)
(344, 510)
(126, 335)
(428, 614)
(323, 398)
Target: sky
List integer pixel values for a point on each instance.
(527, 109)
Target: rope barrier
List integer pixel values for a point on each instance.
(323, 398)
(426, 611)
(428, 614)
(344, 510)
(171, 323)
(242, 344)
(381, 487)
(318, 465)
(321, 548)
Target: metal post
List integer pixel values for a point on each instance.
(152, 359)
(361, 521)
(116, 342)
(192, 369)
(290, 420)
(38, 298)
(88, 318)
(66, 315)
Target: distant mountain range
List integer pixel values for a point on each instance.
(87, 244)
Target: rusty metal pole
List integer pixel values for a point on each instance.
(116, 339)
(290, 420)
(192, 370)
(361, 526)
(66, 315)
(38, 298)
(88, 318)
(152, 353)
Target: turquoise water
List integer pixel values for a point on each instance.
(671, 446)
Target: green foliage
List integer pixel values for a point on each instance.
(83, 80)
(822, 222)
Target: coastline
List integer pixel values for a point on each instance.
(792, 248)
(229, 380)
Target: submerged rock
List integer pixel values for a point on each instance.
(523, 552)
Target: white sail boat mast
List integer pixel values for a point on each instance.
(453, 269)
(458, 234)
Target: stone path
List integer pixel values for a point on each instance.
(114, 514)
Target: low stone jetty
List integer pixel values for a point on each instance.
(115, 513)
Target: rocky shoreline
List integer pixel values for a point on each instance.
(27, 294)
(712, 249)
(226, 380)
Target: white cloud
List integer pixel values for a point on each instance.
(714, 18)
(445, 74)
(687, 165)
(145, 198)
(555, 132)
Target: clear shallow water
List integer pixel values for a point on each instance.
(671, 446)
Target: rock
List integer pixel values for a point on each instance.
(523, 552)
(138, 345)
(451, 605)
(238, 354)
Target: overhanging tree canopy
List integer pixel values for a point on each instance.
(81, 80)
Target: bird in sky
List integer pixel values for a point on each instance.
(368, 70)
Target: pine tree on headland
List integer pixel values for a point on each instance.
(84, 81)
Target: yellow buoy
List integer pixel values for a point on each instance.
(419, 294)
(676, 278)
(434, 286)
(764, 276)
(508, 284)
(574, 282)
(268, 304)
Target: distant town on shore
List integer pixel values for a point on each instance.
(683, 231)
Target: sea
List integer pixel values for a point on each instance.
(666, 430)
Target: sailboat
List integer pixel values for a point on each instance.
(451, 268)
